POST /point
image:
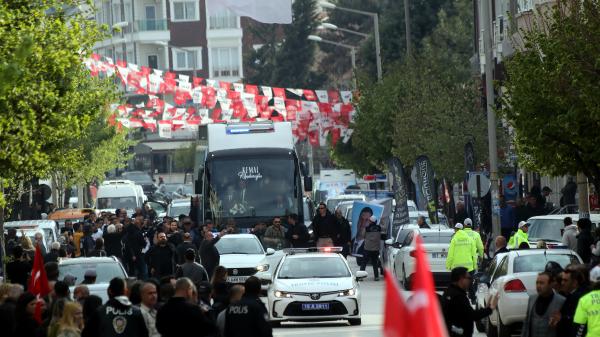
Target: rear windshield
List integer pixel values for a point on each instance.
(314, 267)
(537, 262)
(105, 271)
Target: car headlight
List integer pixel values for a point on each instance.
(262, 267)
(349, 292)
(282, 294)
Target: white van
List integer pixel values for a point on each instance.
(48, 229)
(113, 194)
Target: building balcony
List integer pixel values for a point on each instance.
(150, 25)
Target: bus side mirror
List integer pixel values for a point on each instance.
(198, 182)
(308, 184)
(303, 169)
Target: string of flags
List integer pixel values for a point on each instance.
(314, 114)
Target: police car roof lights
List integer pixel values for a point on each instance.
(292, 251)
(244, 128)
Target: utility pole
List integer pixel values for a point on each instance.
(407, 28)
(583, 194)
(485, 14)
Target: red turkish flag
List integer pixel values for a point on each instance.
(335, 136)
(279, 92)
(196, 81)
(310, 95)
(406, 319)
(38, 282)
(252, 89)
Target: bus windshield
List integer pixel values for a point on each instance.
(253, 187)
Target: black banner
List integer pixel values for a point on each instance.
(426, 185)
(400, 194)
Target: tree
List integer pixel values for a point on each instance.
(551, 97)
(426, 105)
(185, 157)
(289, 63)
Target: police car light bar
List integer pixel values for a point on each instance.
(313, 250)
(244, 128)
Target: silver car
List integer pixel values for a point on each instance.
(106, 269)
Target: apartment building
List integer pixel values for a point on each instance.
(173, 35)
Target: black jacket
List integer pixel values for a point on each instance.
(182, 248)
(117, 318)
(113, 244)
(303, 236)
(458, 311)
(134, 241)
(210, 255)
(180, 318)
(247, 318)
(345, 235)
(566, 327)
(325, 226)
(584, 241)
(162, 260)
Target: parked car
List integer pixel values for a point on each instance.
(73, 214)
(178, 207)
(48, 229)
(106, 269)
(512, 276)
(113, 194)
(550, 228)
(435, 243)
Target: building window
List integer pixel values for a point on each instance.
(184, 11)
(225, 62)
(223, 20)
(153, 61)
(188, 59)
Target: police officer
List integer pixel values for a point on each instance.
(248, 317)
(118, 317)
(587, 314)
(462, 251)
(520, 236)
(475, 236)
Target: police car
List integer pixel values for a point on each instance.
(314, 284)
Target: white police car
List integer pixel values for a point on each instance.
(314, 285)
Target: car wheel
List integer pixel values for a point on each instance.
(492, 331)
(275, 324)
(355, 321)
(503, 330)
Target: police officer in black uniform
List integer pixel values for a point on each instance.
(118, 317)
(249, 316)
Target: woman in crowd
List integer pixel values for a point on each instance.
(70, 323)
(220, 288)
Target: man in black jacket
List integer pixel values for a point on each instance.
(248, 317)
(585, 240)
(209, 255)
(456, 307)
(118, 317)
(297, 234)
(325, 227)
(161, 257)
(134, 243)
(181, 316)
(344, 238)
(573, 287)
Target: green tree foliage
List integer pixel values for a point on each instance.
(427, 105)
(54, 111)
(185, 157)
(288, 63)
(552, 88)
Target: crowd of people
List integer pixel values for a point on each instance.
(177, 273)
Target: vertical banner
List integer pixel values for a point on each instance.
(401, 215)
(426, 185)
(472, 205)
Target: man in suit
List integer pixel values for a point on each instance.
(542, 309)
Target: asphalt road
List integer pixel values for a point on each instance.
(372, 316)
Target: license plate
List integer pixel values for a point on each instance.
(438, 255)
(237, 279)
(315, 306)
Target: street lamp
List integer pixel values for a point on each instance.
(331, 26)
(375, 16)
(343, 45)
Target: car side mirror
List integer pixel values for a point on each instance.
(397, 245)
(361, 275)
(389, 242)
(270, 251)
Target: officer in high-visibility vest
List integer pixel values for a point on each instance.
(475, 236)
(520, 236)
(462, 251)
